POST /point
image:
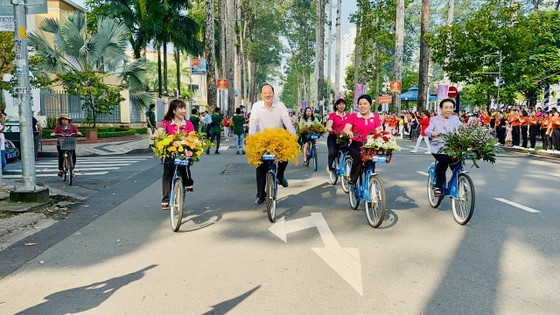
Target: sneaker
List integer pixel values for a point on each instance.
(217, 152)
(238, 153)
(427, 152)
(283, 182)
(413, 151)
(437, 192)
(259, 201)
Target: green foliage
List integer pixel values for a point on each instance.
(471, 142)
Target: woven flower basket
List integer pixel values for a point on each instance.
(369, 154)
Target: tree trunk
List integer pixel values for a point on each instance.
(230, 56)
(424, 55)
(160, 87)
(321, 53)
(165, 85)
(357, 52)
(210, 57)
(178, 66)
(399, 52)
(338, 50)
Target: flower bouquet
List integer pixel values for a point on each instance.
(180, 145)
(379, 143)
(316, 128)
(342, 141)
(470, 142)
(275, 141)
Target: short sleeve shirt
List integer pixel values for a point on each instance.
(171, 127)
(363, 126)
(338, 122)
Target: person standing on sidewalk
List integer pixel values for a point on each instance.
(424, 123)
(239, 131)
(151, 121)
(269, 113)
(3, 160)
(36, 134)
(216, 130)
(195, 119)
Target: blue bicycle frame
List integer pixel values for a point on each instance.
(178, 162)
(452, 187)
(362, 186)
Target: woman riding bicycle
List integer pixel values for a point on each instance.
(357, 127)
(65, 128)
(335, 124)
(174, 122)
(307, 120)
(440, 125)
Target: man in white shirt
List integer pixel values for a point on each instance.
(269, 114)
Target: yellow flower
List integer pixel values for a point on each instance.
(276, 141)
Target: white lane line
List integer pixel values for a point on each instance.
(54, 175)
(515, 204)
(77, 169)
(423, 173)
(84, 163)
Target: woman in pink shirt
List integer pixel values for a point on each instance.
(358, 126)
(174, 122)
(335, 124)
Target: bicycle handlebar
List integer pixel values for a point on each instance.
(62, 135)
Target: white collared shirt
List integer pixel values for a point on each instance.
(275, 117)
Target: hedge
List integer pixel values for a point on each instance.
(103, 132)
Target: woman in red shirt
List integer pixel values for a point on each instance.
(335, 124)
(358, 126)
(174, 122)
(65, 127)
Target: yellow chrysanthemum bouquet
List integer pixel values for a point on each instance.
(180, 145)
(275, 141)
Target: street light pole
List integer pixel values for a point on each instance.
(499, 78)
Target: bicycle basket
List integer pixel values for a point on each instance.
(183, 162)
(376, 155)
(68, 143)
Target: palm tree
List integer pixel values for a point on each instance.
(69, 51)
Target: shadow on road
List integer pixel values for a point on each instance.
(226, 306)
(84, 298)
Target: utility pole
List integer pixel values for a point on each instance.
(329, 58)
(338, 50)
(24, 97)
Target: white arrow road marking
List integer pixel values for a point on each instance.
(515, 204)
(54, 175)
(345, 261)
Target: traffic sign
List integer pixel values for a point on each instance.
(452, 92)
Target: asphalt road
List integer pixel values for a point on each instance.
(117, 254)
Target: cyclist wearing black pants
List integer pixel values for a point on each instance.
(440, 125)
(65, 127)
(335, 124)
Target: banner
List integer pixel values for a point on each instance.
(359, 90)
(442, 91)
(7, 24)
(395, 86)
(385, 99)
(198, 66)
(221, 84)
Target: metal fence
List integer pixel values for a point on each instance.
(54, 103)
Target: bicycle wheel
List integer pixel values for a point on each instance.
(353, 196)
(176, 210)
(270, 197)
(70, 163)
(463, 207)
(315, 161)
(432, 199)
(375, 209)
(333, 172)
(346, 177)
(64, 167)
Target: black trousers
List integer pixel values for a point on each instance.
(354, 152)
(524, 132)
(333, 149)
(515, 133)
(167, 177)
(556, 139)
(215, 136)
(533, 131)
(261, 177)
(501, 134)
(441, 167)
(545, 143)
(61, 157)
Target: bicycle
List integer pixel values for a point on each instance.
(177, 198)
(341, 166)
(271, 186)
(67, 143)
(312, 151)
(460, 188)
(371, 190)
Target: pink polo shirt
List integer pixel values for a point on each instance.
(363, 126)
(171, 127)
(338, 122)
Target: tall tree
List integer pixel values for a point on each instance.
(209, 41)
(423, 64)
(399, 52)
(81, 61)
